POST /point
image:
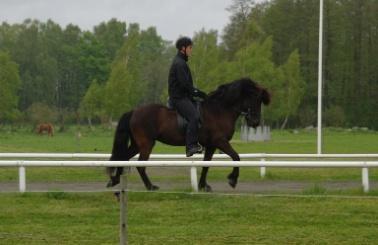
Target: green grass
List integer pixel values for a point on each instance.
(100, 141)
(156, 218)
(24, 140)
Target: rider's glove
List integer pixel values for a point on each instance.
(198, 93)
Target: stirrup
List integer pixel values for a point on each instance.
(193, 150)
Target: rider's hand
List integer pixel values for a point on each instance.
(199, 93)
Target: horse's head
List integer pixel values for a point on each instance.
(246, 96)
(252, 97)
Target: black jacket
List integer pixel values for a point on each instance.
(180, 81)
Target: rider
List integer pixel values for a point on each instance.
(181, 93)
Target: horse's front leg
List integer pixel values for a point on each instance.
(225, 146)
(202, 185)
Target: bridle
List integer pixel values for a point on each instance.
(248, 113)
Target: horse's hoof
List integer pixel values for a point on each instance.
(205, 188)
(109, 184)
(117, 195)
(232, 182)
(112, 182)
(153, 188)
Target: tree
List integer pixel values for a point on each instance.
(154, 64)
(294, 86)
(255, 61)
(92, 104)
(240, 31)
(205, 57)
(123, 89)
(41, 113)
(294, 25)
(9, 86)
(111, 35)
(139, 72)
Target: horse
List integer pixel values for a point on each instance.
(147, 124)
(45, 127)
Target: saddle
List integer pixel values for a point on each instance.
(181, 121)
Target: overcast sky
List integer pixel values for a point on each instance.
(172, 18)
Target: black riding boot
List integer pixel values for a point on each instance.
(193, 149)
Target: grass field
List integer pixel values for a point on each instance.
(100, 140)
(61, 218)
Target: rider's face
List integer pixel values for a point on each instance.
(188, 50)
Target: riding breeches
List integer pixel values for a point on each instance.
(186, 108)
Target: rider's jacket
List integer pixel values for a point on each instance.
(180, 81)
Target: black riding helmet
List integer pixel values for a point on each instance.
(183, 42)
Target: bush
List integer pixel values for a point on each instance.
(307, 116)
(39, 113)
(334, 117)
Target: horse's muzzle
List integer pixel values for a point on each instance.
(253, 123)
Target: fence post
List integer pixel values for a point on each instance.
(193, 178)
(262, 169)
(123, 208)
(21, 179)
(365, 179)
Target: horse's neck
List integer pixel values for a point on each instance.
(232, 116)
(227, 114)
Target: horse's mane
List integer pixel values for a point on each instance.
(231, 92)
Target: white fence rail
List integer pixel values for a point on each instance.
(263, 163)
(182, 156)
(280, 164)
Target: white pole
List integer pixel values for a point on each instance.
(365, 179)
(123, 209)
(320, 74)
(22, 177)
(193, 178)
(262, 169)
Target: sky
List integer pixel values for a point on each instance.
(172, 18)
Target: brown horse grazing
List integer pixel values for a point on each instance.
(147, 124)
(45, 127)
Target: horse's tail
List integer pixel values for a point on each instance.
(122, 137)
(120, 144)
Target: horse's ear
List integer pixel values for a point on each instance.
(265, 95)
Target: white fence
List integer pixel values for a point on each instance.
(263, 162)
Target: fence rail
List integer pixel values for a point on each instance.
(282, 164)
(263, 162)
(182, 156)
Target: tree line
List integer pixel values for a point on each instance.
(49, 72)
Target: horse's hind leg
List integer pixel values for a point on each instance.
(147, 183)
(115, 173)
(145, 151)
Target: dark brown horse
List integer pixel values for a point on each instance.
(147, 124)
(45, 127)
